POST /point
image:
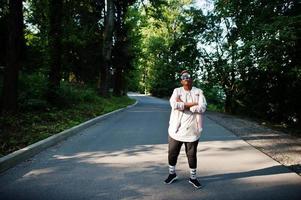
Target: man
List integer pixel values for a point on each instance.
(185, 126)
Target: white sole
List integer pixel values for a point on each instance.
(172, 180)
(195, 185)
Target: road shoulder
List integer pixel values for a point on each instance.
(283, 148)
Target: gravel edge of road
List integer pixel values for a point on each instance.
(281, 147)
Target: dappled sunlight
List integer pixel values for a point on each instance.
(137, 172)
(137, 154)
(134, 94)
(125, 157)
(38, 172)
(65, 62)
(228, 153)
(78, 155)
(148, 109)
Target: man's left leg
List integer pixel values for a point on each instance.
(191, 151)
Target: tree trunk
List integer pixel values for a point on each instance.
(3, 33)
(107, 48)
(118, 81)
(55, 49)
(118, 49)
(15, 46)
(228, 102)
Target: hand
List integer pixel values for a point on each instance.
(178, 99)
(188, 105)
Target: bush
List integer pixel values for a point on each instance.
(32, 89)
(215, 97)
(77, 94)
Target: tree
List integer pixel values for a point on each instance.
(82, 41)
(120, 50)
(3, 32)
(107, 48)
(257, 57)
(169, 44)
(15, 48)
(55, 48)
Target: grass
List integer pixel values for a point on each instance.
(215, 108)
(25, 128)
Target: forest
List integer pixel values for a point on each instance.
(73, 60)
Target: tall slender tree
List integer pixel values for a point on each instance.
(14, 51)
(107, 48)
(3, 31)
(121, 49)
(55, 48)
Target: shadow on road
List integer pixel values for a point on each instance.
(273, 170)
(125, 157)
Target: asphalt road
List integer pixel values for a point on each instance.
(125, 157)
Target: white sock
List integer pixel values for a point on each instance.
(172, 169)
(193, 173)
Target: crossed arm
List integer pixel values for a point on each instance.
(195, 107)
(187, 105)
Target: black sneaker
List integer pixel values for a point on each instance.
(171, 178)
(195, 183)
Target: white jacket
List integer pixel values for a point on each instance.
(177, 112)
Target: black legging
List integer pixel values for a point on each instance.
(174, 148)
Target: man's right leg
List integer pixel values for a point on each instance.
(174, 148)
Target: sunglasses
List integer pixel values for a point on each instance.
(185, 76)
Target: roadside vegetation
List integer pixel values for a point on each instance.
(63, 62)
(245, 55)
(38, 120)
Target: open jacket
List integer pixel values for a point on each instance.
(177, 112)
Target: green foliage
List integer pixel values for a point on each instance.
(255, 57)
(31, 91)
(77, 94)
(33, 125)
(82, 35)
(215, 107)
(245, 55)
(77, 97)
(168, 44)
(215, 95)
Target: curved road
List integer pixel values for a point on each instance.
(125, 157)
